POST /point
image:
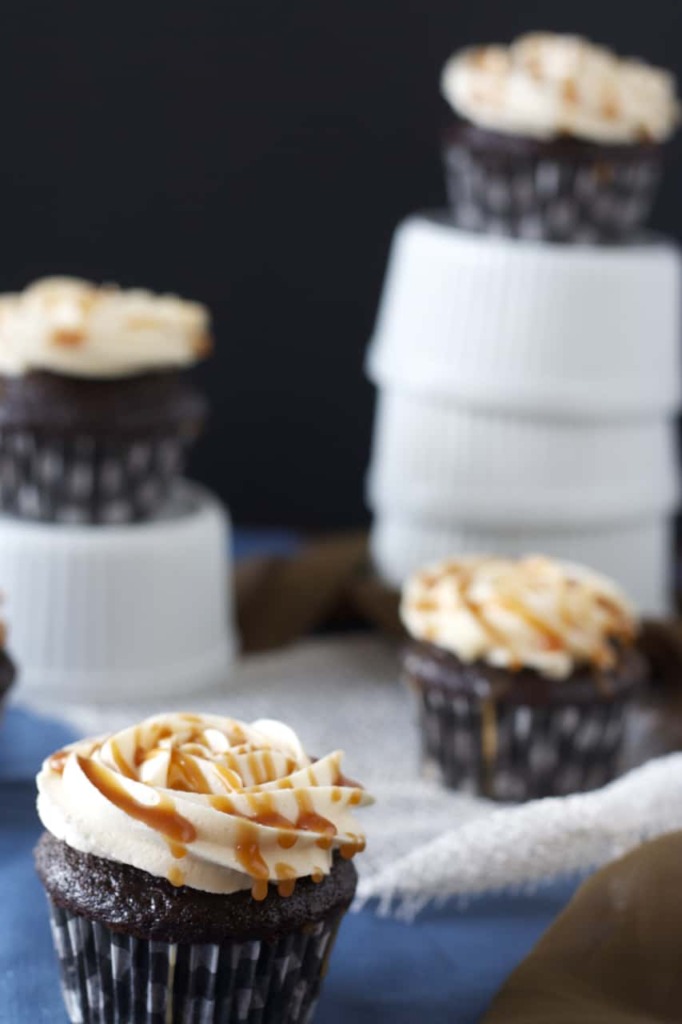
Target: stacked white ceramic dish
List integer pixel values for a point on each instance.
(102, 613)
(527, 401)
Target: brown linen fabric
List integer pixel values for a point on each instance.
(613, 955)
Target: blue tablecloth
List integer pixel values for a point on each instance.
(442, 969)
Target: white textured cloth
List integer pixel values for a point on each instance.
(425, 843)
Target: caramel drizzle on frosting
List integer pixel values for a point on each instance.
(556, 608)
(236, 776)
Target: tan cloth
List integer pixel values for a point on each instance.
(614, 956)
(280, 600)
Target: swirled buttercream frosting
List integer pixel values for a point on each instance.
(204, 801)
(545, 85)
(527, 613)
(69, 326)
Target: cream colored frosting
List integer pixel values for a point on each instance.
(544, 85)
(532, 612)
(204, 801)
(73, 327)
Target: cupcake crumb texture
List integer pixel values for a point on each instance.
(69, 326)
(527, 613)
(545, 85)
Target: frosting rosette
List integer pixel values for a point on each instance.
(545, 85)
(69, 326)
(205, 801)
(519, 613)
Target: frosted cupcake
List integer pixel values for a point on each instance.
(96, 407)
(197, 868)
(523, 671)
(7, 668)
(554, 138)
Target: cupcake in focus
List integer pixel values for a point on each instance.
(555, 138)
(96, 408)
(197, 868)
(523, 671)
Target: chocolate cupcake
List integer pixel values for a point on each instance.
(554, 138)
(96, 408)
(7, 668)
(197, 868)
(523, 670)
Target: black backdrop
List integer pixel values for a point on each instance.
(256, 155)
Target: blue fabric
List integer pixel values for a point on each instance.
(443, 969)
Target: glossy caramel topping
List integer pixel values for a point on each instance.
(215, 803)
(161, 816)
(514, 613)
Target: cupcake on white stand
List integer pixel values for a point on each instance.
(528, 389)
(116, 571)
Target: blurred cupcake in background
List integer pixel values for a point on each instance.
(197, 868)
(523, 670)
(7, 668)
(554, 138)
(96, 408)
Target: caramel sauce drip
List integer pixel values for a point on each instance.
(248, 852)
(68, 337)
(336, 794)
(355, 844)
(57, 762)
(308, 819)
(287, 879)
(175, 876)
(551, 639)
(489, 742)
(317, 876)
(185, 775)
(177, 849)
(259, 889)
(119, 760)
(162, 817)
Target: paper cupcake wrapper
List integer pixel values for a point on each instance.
(516, 327)
(546, 198)
(86, 479)
(111, 978)
(517, 752)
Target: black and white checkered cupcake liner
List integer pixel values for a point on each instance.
(547, 198)
(111, 978)
(514, 752)
(86, 478)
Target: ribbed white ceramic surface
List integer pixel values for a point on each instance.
(637, 554)
(110, 613)
(516, 325)
(438, 459)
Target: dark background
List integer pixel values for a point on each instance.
(256, 155)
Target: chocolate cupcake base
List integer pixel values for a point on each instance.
(112, 978)
(134, 948)
(561, 190)
(93, 451)
(517, 736)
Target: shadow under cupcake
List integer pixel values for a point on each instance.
(554, 138)
(197, 868)
(97, 410)
(523, 672)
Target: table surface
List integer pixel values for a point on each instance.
(443, 968)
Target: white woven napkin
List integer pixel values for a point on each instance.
(425, 843)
